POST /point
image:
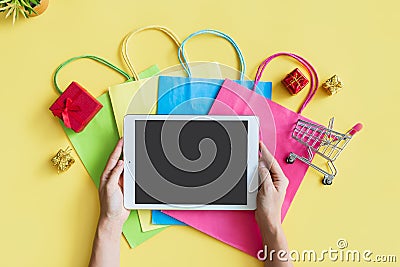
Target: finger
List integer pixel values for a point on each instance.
(283, 184)
(116, 173)
(270, 162)
(112, 161)
(278, 178)
(264, 174)
(121, 182)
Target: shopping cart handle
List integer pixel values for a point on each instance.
(356, 128)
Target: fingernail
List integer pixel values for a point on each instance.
(120, 162)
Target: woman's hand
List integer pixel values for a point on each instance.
(112, 209)
(268, 214)
(106, 243)
(272, 191)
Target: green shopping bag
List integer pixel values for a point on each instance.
(96, 142)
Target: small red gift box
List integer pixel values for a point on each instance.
(75, 107)
(295, 81)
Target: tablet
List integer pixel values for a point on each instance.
(190, 162)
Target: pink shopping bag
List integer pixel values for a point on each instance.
(239, 228)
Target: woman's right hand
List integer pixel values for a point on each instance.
(272, 192)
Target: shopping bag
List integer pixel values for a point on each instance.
(239, 228)
(95, 143)
(122, 94)
(157, 217)
(140, 96)
(188, 95)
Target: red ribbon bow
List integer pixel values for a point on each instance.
(64, 111)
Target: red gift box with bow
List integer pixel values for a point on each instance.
(75, 107)
(295, 81)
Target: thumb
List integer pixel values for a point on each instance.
(116, 173)
(264, 174)
(270, 162)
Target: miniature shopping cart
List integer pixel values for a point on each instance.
(322, 141)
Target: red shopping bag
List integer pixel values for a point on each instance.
(239, 228)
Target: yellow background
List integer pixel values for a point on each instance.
(49, 219)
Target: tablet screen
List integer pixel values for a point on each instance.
(191, 162)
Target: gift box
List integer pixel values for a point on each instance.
(295, 81)
(333, 85)
(75, 107)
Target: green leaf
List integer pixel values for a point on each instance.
(33, 11)
(15, 15)
(29, 10)
(23, 12)
(10, 11)
(25, 4)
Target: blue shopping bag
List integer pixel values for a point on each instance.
(188, 95)
(157, 217)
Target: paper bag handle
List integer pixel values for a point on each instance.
(310, 69)
(183, 59)
(124, 48)
(98, 59)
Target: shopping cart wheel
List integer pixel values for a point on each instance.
(291, 158)
(327, 180)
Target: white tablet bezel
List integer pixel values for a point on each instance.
(129, 159)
